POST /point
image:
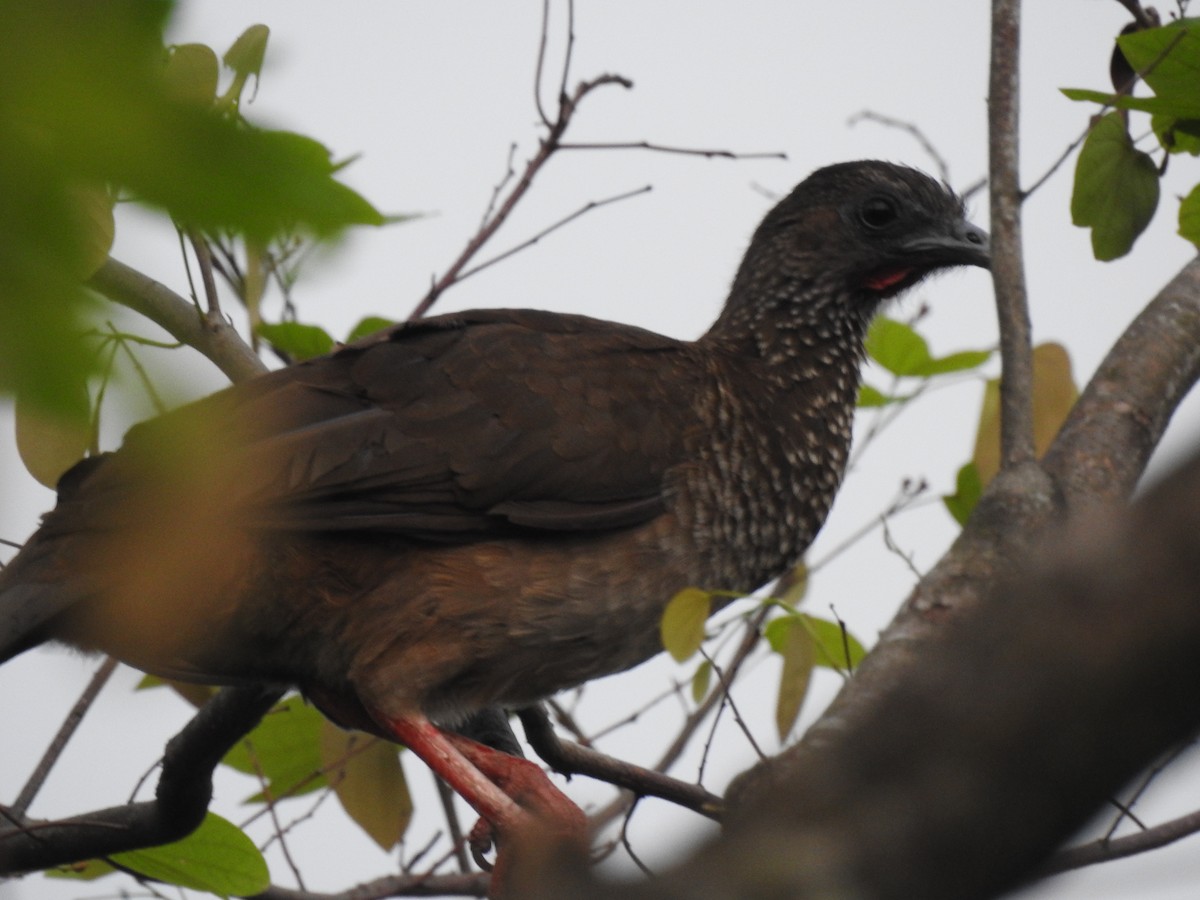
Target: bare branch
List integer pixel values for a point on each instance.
(65, 732)
(529, 242)
(663, 148)
(910, 128)
(215, 338)
(1008, 268)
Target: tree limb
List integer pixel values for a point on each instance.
(181, 799)
(212, 336)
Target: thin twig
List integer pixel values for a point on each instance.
(909, 128)
(65, 732)
(663, 148)
(529, 242)
(457, 841)
(1016, 347)
(205, 260)
(549, 144)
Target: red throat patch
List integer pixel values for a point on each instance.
(888, 279)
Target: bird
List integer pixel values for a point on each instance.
(483, 508)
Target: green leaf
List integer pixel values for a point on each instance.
(1168, 58)
(700, 681)
(1116, 188)
(297, 340)
(962, 361)
(967, 491)
(1177, 135)
(869, 397)
(245, 57)
(217, 857)
(285, 749)
(366, 775)
(896, 347)
(87, 870)
(1158, 105)
(683, 622)
(1189, 216)
(368, 326)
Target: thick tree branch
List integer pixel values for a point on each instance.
(1008, 267)
(181, 800)
(1014, 726)
(1104, 446)
(212, 336)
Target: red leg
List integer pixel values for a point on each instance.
(525, 783)
(423, 738)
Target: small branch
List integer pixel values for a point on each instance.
(204, 259)
(1016, 348)
(586, 208)
(663, 148)
(549, 144)
(569, 758)
(1144, 18)
(909, 128)
(216, 339)
(1108, 849)
(64, 735)
(473, 885)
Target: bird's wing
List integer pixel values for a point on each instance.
(449, 429)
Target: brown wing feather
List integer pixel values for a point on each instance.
(451, 429)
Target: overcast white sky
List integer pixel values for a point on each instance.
(432, 94)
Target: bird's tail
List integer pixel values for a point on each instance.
(29, 598)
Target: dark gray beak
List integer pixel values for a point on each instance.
(964, 245)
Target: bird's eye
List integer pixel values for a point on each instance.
(878, 212)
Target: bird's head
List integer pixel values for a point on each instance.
(848, 237)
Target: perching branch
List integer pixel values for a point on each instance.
(181, 801)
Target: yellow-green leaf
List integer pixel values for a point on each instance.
(284, 749)
(700, 681)
(365, 773)
(789, 637)
(683, 622)
(217, 857)
(52, 439)
(967, 491)
(191, 74)
(1054, 393)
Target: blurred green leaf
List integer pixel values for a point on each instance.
(217, 857)
(1189, 216)
(51, 439)
(962, 361)
(896, 346)
(1116, 188)
(285, 749)
(297, 340)
(191, 74)
(245, 57)
(967, 491)
(700, 681)
(368, 326)
(869, 397)
(87, 870)
(1168, 58)
(683, 622)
